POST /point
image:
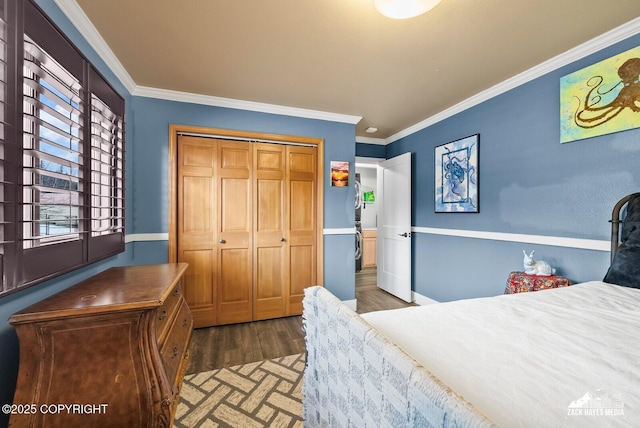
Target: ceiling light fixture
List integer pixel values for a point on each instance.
(371, 130)
(402, 9)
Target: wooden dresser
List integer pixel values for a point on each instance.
(110, 351)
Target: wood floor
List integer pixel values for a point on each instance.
(225, 346)
(371, 298)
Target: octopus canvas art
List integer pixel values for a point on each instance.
(602, 98)
(456, 170)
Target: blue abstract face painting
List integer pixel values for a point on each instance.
(456, 168)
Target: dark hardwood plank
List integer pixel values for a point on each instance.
(371, 298)
(230, 345)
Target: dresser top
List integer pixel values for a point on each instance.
(115, 289)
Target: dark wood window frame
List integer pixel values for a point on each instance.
(76, 177)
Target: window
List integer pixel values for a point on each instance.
(52, 150)
(107, 181)
(61, 153)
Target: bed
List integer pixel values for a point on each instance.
(553, 358)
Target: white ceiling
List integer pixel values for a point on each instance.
(341, 56)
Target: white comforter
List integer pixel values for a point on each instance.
(553, 358)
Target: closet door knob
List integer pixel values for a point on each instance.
(282, 239)
(222, 241)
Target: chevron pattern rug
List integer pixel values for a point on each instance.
(263, 394)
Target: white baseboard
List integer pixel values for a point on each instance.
(422, 300)
(352, 304)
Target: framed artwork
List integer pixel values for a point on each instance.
(456, 168)
(339, 173)
(601, 98)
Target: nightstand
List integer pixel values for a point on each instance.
(520, 282)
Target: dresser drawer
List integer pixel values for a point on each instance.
(165, 313)
(175, 346)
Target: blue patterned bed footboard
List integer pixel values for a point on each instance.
(355, 377)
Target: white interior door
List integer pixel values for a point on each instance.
(394, 226)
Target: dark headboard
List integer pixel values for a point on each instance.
(615, 222)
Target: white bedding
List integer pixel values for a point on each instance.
(530, 359)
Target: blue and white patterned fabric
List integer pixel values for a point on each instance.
(355, 377)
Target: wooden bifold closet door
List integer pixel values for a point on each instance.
(247, 227)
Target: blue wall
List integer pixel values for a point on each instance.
(366, 150)
(529, 184)
(147, 132)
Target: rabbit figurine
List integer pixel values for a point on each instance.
(532, 267)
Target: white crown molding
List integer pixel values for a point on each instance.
(554, 241)
(605, 40)
(371, 140)
(82, 23)
(186, 97)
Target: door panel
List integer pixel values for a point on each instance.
(269, 274)
(198, 290)
(197, 152)
(234, 205)
(302, 213)
(270, 204)
(394, 226)
(302, 275)
(269, 158)
(301, 176)
(269, 299)
(197, 220)
(198, 193)
(234, 286)
(235, 237)
(302, 160)
(235, 157)
(270, 236)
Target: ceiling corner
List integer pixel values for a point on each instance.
(79, 19)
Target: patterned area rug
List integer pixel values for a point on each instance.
(263, 394)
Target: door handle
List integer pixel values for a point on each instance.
(222, 241)
(404, 234)
(282, 239)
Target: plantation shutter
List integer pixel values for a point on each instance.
(61, 153)
(52, 150)
(54, 225)
(107, 169)
(7, 160)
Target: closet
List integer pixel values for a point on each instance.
(247, 226)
